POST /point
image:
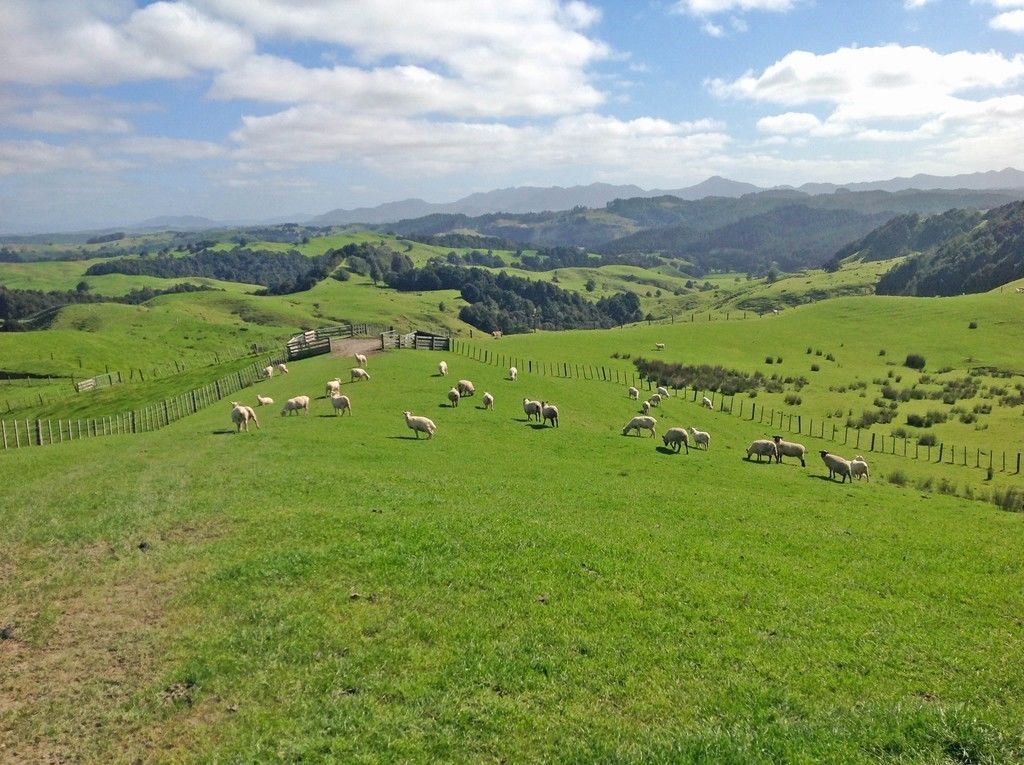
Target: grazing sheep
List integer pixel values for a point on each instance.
(496, 334)
(763, 447)
(295, 404)
(420, 425)
(655, 400)
(465, 388)
(358, 373)
(531, 408)
(645, 407)
(242, 415)
(837, 466)
(859, 468)
(701, 438)
(341, 404)
(674, 437)
(789, 449)
(453, 397)
(634, 394)
(706, 403)
(488, 401)
(263, 400)
(282, 368)
(333, 386)
(641, 423)
(663, 391)
(659, 346)
(361, 359)
(442, 367)
(549, 412)
(268, 371)
(513, 374)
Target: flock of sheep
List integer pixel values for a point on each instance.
(676, 438)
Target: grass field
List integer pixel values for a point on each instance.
(333, 589)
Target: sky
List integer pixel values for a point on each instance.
(113, 111)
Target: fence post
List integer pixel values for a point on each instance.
(941, 449)
(17, 436)
(799, 424)
(872, 447)
(3, 426)
(39, 432)
(49, 428)
(1018, 454)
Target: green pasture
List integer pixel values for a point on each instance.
(332, 589)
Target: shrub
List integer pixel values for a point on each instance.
(947, 487)
(968, 417)
(881, 352)
(898, 478)
(817, 352)
(809, 350)
(972, 325)
(769, 360)
(793, 400)
(899, 433)
(815, 367)
(753, 394)
(1010, 499)
(928, 439)
(829, 357)
(914, 361)
(982, 409)
(924, 484)
(778, 360)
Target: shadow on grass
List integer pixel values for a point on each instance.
(406, 438)
(827, 479)
(756, 462)
(222, 432)
(666, 450)
(447, 406)
(538, 425)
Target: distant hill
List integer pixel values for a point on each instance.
(1007, 178)
(906, 234)
(990, 254)
(175, 223)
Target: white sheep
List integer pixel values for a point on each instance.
(674, 437)
(659, 346)
(706, 403)
(295, 404)
(859, 468)
(442, 368)
(263, 400)
(634, 394)
(763, 447)
(341, 404)
(645, 407)
(454, 396)
(488, 401)
(655, 400)
(242, 415)
(333, 386)
(465, 388)
(513, 374)
(701, 438)
(549, 412)
(282, 368)
(531, 408)
(361, 359)
(663, 391)
(837, 466)
(789, 449)
(268, 371)
(358, 373)
(641, 423)
(420, 425)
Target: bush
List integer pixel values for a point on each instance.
(968, 417)
(898, 477)
(928, 439)
(815, 368)
(793, 400)
(881, 352)
(769, 360)
(972, 325)
(914, 361)
(1010, 499)
(778, 360)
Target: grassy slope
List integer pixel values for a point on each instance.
(330, 589)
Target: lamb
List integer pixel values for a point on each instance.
(655, 400)
(453, 397)
(674, 437)
(295, 404)
(645, 407)
(659, 346)
(513, 374)
(361, 359)
(641, 423)
(663, 391)
(282, 368)
(333, 386)
(789, 449)
(242, 415)
(442, 368)
(763, 447)
(859, 468)
(531, 408)
(488, 401)
(358, 373)
(837, 466)
(341, 404)
(706, 403)
(268, 371)
(263, 400)
(420, 425)
(701, 438)
(465, 388)
(549, 412)
(634, 394)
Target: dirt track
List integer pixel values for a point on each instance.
(350, 348)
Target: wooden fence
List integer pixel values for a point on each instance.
(420, 341)
(316, 342)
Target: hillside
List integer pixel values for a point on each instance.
(906, 234)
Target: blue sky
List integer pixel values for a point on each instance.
(112, 111)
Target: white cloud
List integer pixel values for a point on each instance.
(789, 123)
(710, 7)
(56, 113)
(712, 29)
(164, 149)
(912, 5)
(31, 157)
(1010, 21)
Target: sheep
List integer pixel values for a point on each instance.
(634, 394)
(442, 368)
(453, 397)
(655, 400)
(859, 468)
(513, 374)
(837, 466)
(282, 368)
(763, 447)
(549, 412)
(701, 438)
(496, 334)
(420, 425)
(242, 415)
(358, 373)
(360, 359)
(674, 437)
(268, 371)
(295, 404)
(641, 423)
(488, 401)
(706, 403)
(465, 388)
(333, 386)
(341, 404)
(645, 407)
(263, 400)
(789, 449)
(531, 408)
(663, 391)
(659, 346)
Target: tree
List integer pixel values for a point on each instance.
(82, 286)
(773, 275)
(591, 285)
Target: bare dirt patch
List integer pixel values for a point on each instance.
(352, 346)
